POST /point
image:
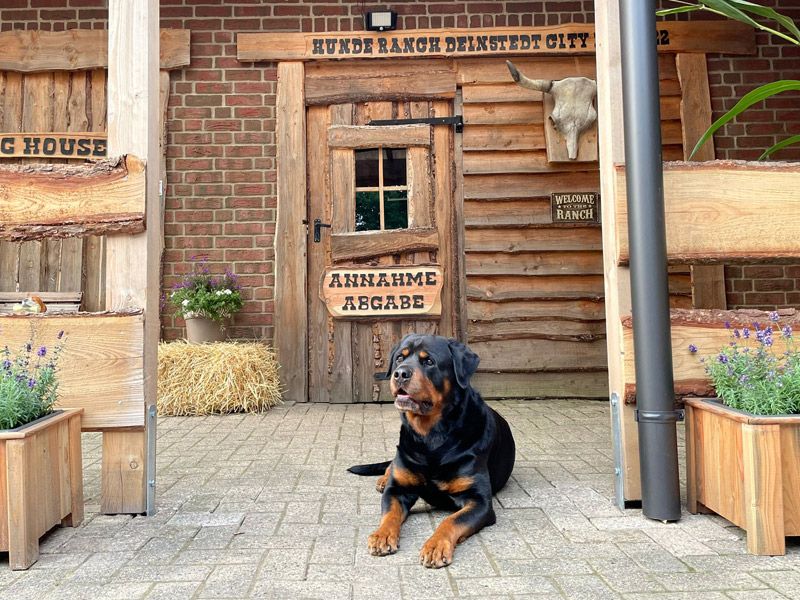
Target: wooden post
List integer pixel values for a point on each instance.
(132, 262)
(617, 279)
(763, 490)
(708, 281)
(291, 307)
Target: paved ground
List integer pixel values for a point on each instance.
(260, 506)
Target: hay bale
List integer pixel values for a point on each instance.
(219, 378)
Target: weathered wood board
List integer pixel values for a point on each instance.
(72, 200)
(718, 212)
(706, 330)
(101, 364)
(30, 51)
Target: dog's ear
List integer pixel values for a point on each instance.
(394, 352)
(465, 362)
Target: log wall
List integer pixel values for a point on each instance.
(535, 310)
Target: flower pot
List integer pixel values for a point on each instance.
(42, 485)
(745, 468)
(202, 329)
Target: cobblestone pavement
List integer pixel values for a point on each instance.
(260, 506)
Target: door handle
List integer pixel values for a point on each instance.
(317, 225)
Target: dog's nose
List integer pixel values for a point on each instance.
(402, 374)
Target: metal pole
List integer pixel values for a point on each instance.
(655, 388)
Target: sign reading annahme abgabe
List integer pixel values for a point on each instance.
(575, 207)
(383, 291)
(53, 145)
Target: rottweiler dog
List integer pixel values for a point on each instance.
(455, 451)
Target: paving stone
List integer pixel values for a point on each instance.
(489, 586)
(585, 587)
(229, 581)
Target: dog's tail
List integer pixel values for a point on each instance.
(370, 469)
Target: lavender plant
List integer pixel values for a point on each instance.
(202, 293)
(28, 383)
(749, 375)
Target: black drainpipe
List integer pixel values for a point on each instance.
(655, 388)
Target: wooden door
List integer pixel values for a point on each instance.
(387, 193)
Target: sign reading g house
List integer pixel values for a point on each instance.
(53, 145)
(575, 207)
(383, 291)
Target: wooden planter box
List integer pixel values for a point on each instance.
(41, 482)
(745, 468)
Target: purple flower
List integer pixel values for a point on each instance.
(746, 333)
(743, 379)
(722, 358)
(736, 333)
(773, 316)
(768, 341)
(31, 382)
(727, 324)
(730, 371)
(6, 364)
(28, 347)
(60, 334)
(692, 348)
(787, 332)
(755, 325)
(42, 351)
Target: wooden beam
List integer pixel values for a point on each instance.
(291, 318)
(390, 136)
(30, 51)
(133, 262)
(715, 212)
(54, 201)
(368, 244)
(574, 39)
(101, 366)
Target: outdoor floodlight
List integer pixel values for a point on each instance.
(381, 20)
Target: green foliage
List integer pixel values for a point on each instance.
(28, 383)
(748, 374)
(738, 10)
(205, 294)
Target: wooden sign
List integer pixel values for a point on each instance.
(570, 39)
(383, 291)
(53, 145)
(575, 207)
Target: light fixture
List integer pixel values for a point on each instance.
(381, 20)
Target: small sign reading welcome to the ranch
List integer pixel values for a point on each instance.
(575, 207)
(383, 291)
(53, 145)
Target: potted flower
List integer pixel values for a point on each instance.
(40, 452)
(743, 448)
(206, 302)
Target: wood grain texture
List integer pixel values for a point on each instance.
(708, 36)
(576, 384)
(388, 136)
(123, 469)
(362, 245)
(528, 185)
(72, 200)
(534, 263)
(517, 240)
(78, 49)
(540, 355)
(290, 237)
(763, 489)
(101, 364)
(714, 211)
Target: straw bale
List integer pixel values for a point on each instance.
(218, 378)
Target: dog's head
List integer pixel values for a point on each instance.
(426, 370)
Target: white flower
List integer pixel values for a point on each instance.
(218, 292)
(228, 292)
(185, 302)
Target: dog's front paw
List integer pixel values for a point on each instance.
(381, 484)
(381, 543)
(437, 552)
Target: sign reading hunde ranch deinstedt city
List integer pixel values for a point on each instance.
(575, 207)
(383, 291)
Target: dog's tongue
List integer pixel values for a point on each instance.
(404, 402)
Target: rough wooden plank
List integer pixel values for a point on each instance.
(22, 499)
(72, 200)
(576, 384)
(533, 263)
(507, 213)
(763, 489)
(543, 329)
(504, 137)
(479, 162)
(444, 217)
(517, 240)
(78, 117)
(390, 136)
(579, 310)
(380, 88)
(363, 363)
(540, 355)
(363, 245)
(714, 211)
(508, 288)
(318, 207)
(29, 51)
(509, 113)
(93, 273)
(101, 364)
(528, 185)
(290, 248)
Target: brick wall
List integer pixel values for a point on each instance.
(221, 153)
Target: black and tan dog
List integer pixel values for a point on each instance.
(455, 452)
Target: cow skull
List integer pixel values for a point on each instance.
(574, 110)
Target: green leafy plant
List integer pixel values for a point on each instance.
(28, 383)
(202, 293)
(749, 375)
(741, 10)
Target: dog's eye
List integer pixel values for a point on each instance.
(429, 362)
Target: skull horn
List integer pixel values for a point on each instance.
(540, 85)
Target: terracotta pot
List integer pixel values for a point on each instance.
(202, 329)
